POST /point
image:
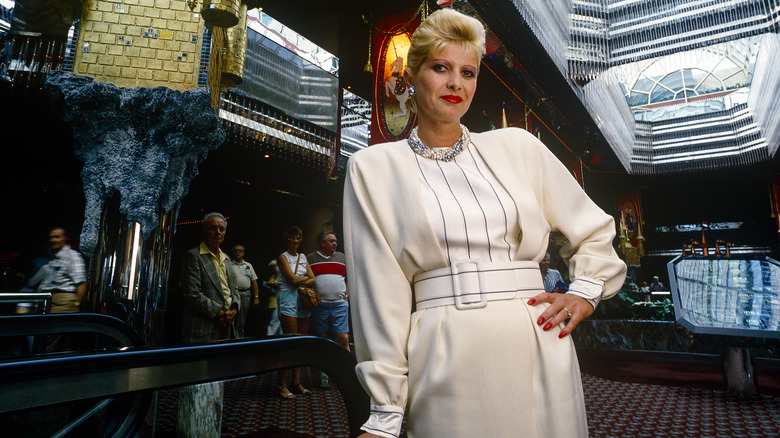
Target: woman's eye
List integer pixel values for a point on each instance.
(439, 67)
(469, 73)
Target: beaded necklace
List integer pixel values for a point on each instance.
(443, 154)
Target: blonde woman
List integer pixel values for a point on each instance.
(451, 322)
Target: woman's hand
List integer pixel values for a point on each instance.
(302, 281)
(368, 435)
(562, 307)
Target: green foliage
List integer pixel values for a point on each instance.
(629, 304)
(618, 307)
(661, 310)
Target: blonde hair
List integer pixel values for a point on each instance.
(442, 28)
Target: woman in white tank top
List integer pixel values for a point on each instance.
(293, 271)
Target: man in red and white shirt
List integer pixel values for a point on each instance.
(331, 317)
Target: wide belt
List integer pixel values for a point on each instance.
(470, 284)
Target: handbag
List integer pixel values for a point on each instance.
(309, 297)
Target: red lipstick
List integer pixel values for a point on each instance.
(452, 99)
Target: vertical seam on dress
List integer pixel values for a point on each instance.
(503, 208)
(443, 219)
(465, 222)
(481, 208)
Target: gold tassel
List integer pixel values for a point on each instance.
(368, 68)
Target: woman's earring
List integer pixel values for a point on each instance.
(412, 91)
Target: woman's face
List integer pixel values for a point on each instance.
(445, 85)
(293, 242)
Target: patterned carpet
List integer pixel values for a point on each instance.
(621, 410)
(616, 408)
(252, 408)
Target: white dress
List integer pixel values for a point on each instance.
(487, 372)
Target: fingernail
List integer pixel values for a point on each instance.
(562, 334)
(531, 302)
(547, 326)
(540, 321)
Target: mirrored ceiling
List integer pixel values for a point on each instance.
(673, 86)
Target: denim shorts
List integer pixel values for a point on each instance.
(290, 304)
(330, 317)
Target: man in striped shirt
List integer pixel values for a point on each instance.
(331, 317)
(64, 277)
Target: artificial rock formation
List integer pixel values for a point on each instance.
(145, 143)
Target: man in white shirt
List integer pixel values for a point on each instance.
(246, 283)
(64, 277)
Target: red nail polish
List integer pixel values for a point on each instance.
(562, 334)
(531, 302)
(547, 326)
(540, 321)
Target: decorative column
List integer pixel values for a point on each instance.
(141, 148)
(203, 404)
(129, 274)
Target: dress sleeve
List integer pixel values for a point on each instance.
(595, 267)
(380, 300)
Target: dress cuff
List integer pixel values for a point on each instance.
(385, 421)
(587, 288)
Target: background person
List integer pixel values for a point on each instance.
(645, 291)
(274, 325)
(208, 287)
(331, 317)
(551, 277)
(463, 201)
(656, 285)
(64, 277)
(211, 302)
(293, 271)
(246, 284)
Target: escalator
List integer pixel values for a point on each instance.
(111, 380)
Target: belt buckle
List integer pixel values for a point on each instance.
(456, 289)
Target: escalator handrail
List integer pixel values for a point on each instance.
(21, 297)
(45, 381)
(130, 410)
(57, 323)
(42, 299)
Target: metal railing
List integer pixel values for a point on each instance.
(34, 382)
(42, 300)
